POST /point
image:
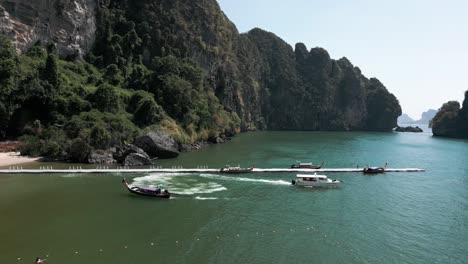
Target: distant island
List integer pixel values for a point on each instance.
(87, 82)
(426, 117)
(409, 129)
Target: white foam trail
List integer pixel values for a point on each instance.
(157, 178)
(205, 198)
(189, 187)
(71, 175)
(226, 178)
(199, 189)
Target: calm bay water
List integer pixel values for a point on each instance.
(253, 218)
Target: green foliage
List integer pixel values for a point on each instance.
(50, 143)
(51, 70)
(136, 98)
(139, 78)
(445, 121)
(37, 52)
(113, 75)
(106, 99)
(100, 137)
(148, 112)
(121, 129)
(30, 145)
(176, 94)
(3, 120)
(382, 107)
(451, 120)
(7, 68)
(79, 149)
(7, 50)
(463, 117)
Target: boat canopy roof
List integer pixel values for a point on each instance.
(311, 176)
(148, 188)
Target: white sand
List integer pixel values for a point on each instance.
(14, 158)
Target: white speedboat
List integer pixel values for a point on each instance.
(314, 181)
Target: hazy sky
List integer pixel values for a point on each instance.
(417, 48)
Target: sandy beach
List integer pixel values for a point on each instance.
(14, 158)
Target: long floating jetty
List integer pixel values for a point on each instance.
(19, 170)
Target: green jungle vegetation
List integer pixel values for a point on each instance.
(58, 106)
(451, 120)
(181, 67)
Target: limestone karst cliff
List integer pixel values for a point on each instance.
(71, 25)
(178, 65)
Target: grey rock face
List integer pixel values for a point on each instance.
(193, 146)
(137, 159)
(158, 145)
(69, 24)
(100, 157)
(122, 152)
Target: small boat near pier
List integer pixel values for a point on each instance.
(300, 165)
(236, 170)
(374, 170)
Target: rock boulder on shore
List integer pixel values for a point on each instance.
(158, 144)
(122, 152)
(137, 159)
(193, 146)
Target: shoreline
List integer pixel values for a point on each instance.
(14, 158)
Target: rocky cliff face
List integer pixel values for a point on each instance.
(268, 83)
(71, 25)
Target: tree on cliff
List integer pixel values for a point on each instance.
(51, 70)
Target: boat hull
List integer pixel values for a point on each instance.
(144, 191)
(235, 171)
(316, 185)
(373, 171)
(136, 190)
(306, 167)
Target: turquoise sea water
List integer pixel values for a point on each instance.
(253, 218)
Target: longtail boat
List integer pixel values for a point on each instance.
(147, 190)
(301, 165)
(236, 170)
(374, 170)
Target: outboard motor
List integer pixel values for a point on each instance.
(293, 182)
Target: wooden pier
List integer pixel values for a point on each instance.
(106, 170)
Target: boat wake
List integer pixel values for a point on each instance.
(177, 185)
(71, 175)
(238, 179)
(206, 198)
